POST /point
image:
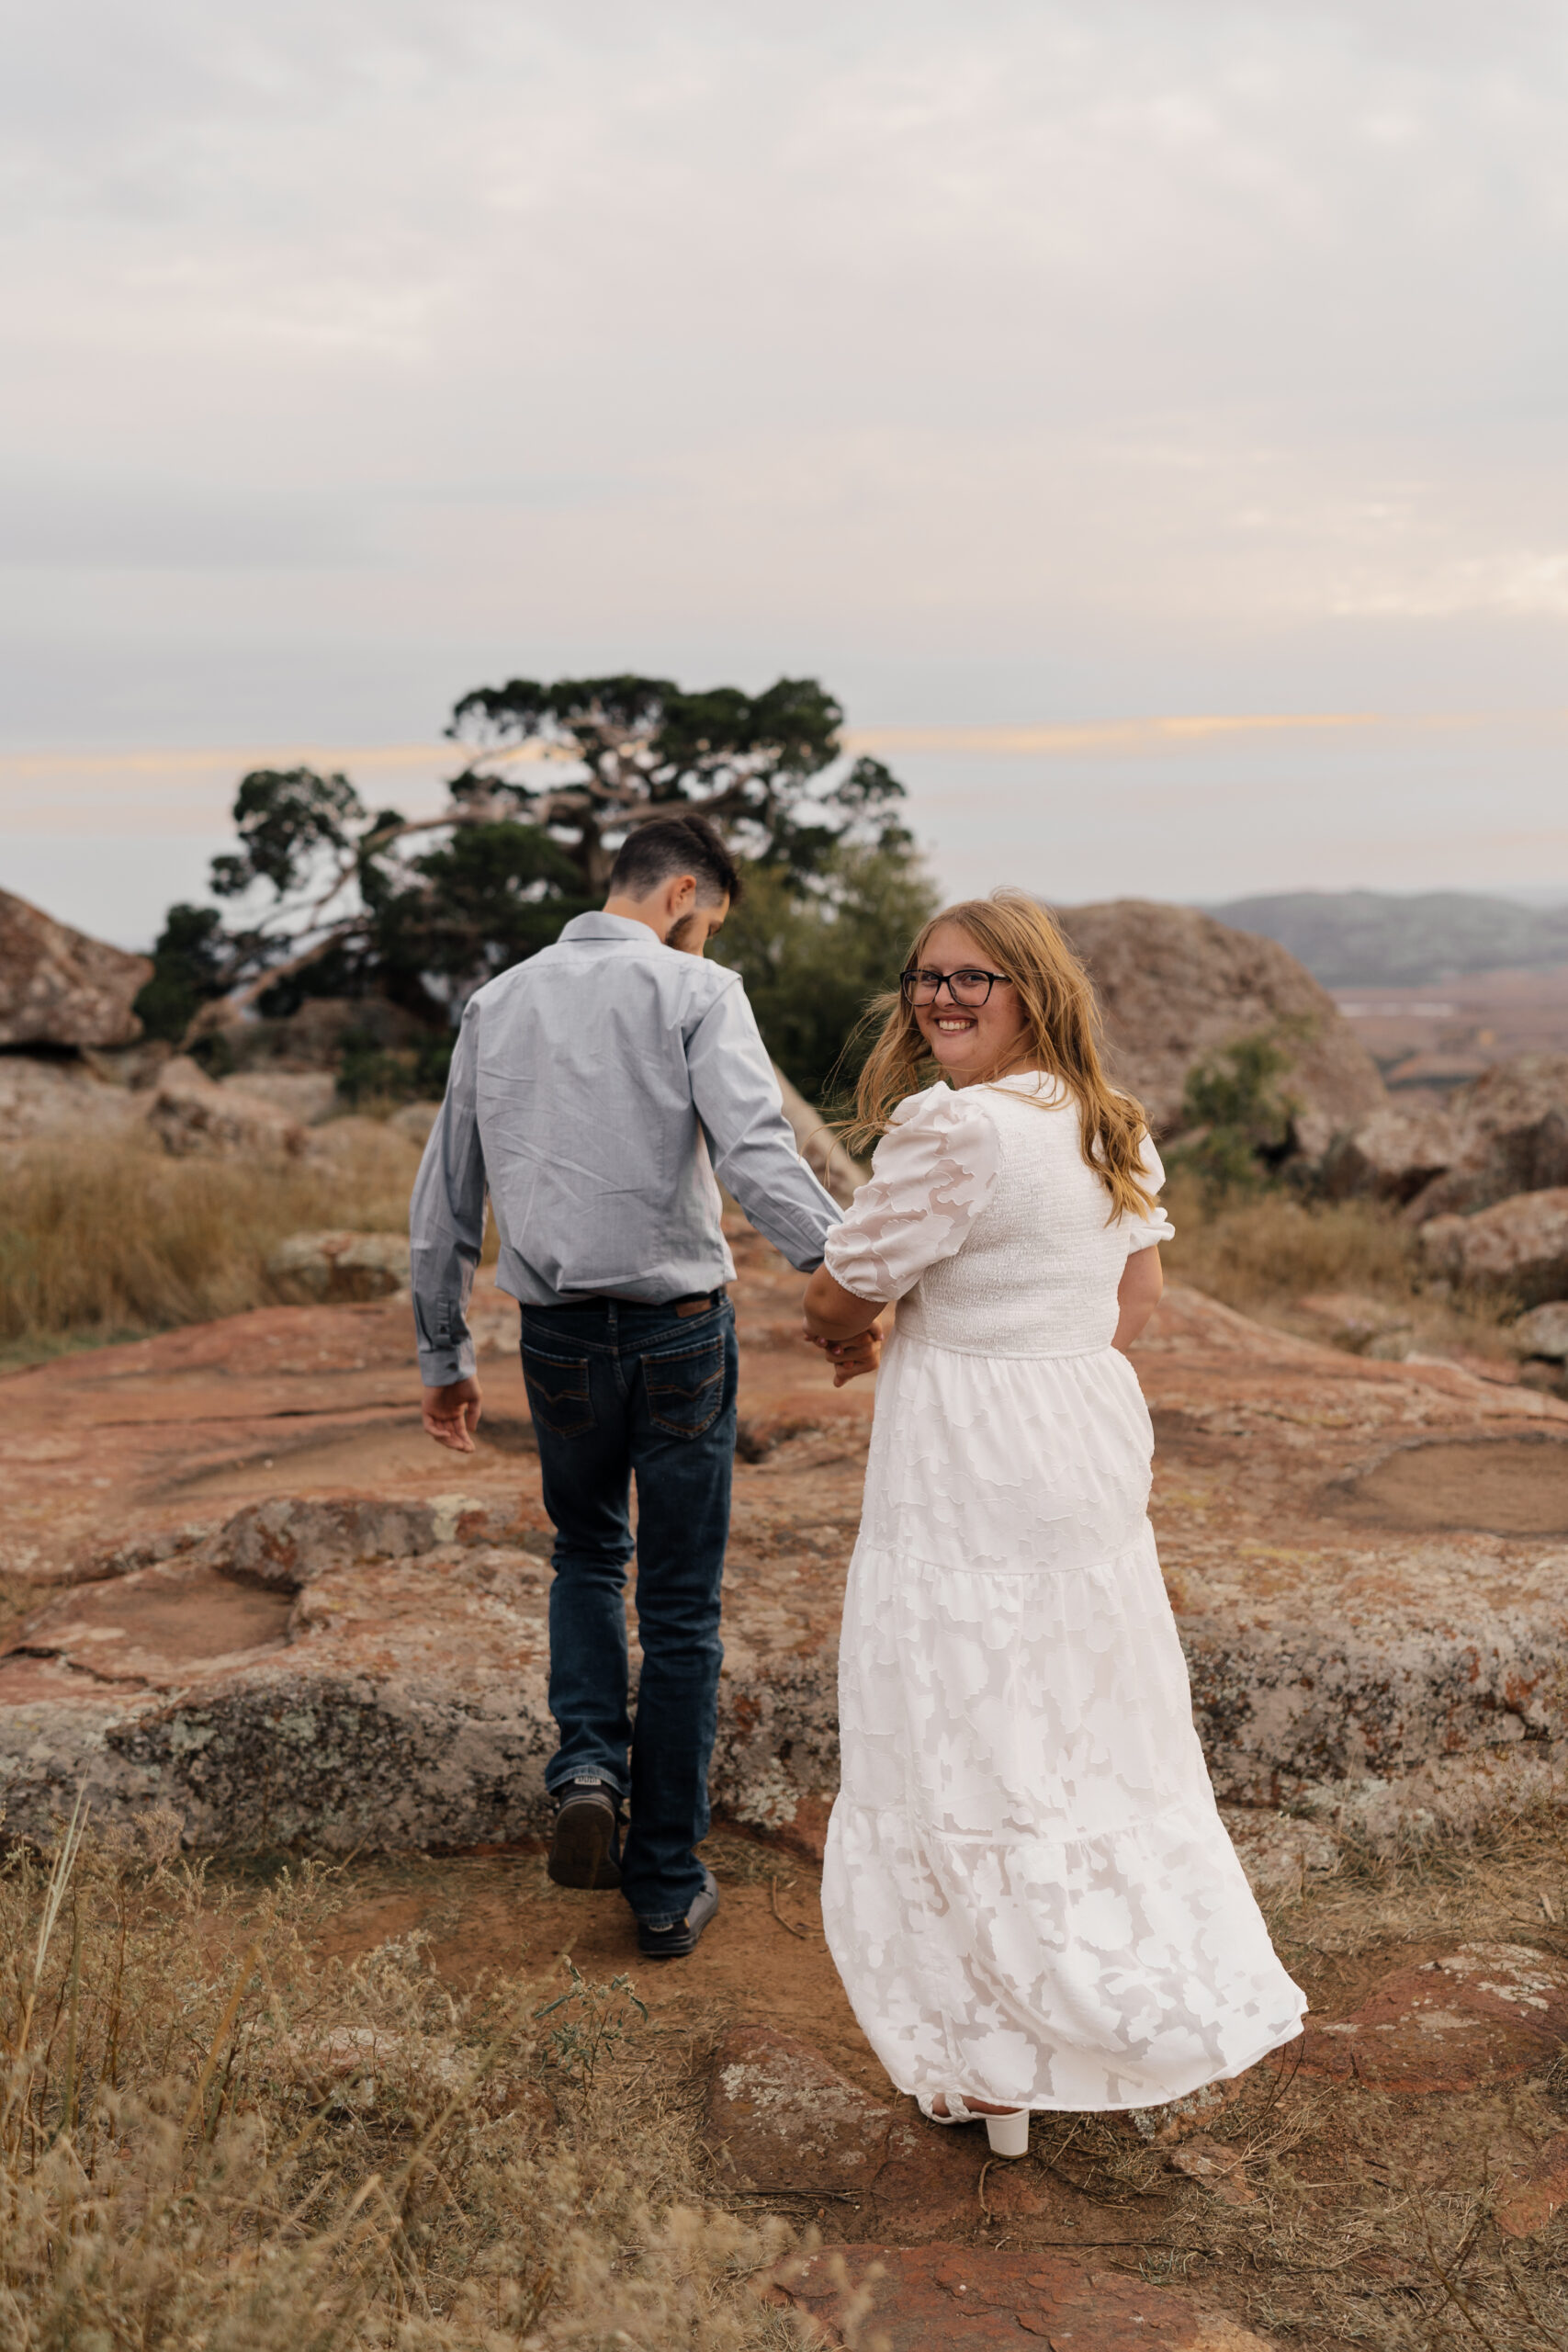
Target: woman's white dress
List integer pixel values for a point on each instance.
(1028, 1891)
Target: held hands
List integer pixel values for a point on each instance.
(850, 1358)
(451, 1415)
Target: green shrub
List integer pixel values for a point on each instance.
(1238, 1118)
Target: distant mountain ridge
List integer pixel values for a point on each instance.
(1381, 939)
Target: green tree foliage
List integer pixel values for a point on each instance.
(640, 747)
(327, 898)
(1239, 1118)
(815, 957)
(189, 963)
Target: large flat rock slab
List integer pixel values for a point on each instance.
(242, 1580)
(983, 2300)
(240, 1577)
(1369, 1563)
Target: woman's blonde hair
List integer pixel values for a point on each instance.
(1060, 1019)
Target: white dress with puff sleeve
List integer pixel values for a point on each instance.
(1028, 1891)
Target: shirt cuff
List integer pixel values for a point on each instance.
(439, 1367)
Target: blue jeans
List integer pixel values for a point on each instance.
(619, 1390)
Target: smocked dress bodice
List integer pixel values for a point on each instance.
(984, 1221)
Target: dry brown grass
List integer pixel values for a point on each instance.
(104, 1236)
(1263, 1253)
(1373, 2220)
(210, 2138)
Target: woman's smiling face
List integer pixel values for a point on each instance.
(969, 1041)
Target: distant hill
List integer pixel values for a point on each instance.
(1375, 939)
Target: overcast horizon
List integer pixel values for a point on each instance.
(1002, 366)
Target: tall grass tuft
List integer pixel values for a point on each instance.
(1256, 1247)
(1265, 1252)
(105, 1235)
(210, 2141)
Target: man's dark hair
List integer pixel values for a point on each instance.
(667, 845)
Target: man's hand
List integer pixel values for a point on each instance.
(850, 1358)
(451, 1415)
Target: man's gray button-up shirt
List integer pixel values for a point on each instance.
(596, 1091)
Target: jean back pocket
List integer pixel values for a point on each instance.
(559, 1397)
(685, 1386)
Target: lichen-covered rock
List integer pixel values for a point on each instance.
(58, 987)
(415, 1120)
(1518, 1246)
(1360, 1324)
(1174, 986)
(49, 1095)
(777, 2112)
(323, 1269)
(193, 1115)
(1368, 1560)
(1543, 1332)
(308, 1095)
(1511, 1134)
(1394, 1155)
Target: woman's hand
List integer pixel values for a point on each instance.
(850, 1358)
(843, 1326)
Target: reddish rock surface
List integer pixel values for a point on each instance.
(973, 2298)
(781, 2119)
(1485, 2014)
(1368, 1562)
(397, 1694)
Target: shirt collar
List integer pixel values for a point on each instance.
(604, 926)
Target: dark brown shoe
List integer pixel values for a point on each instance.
(680, 1940)
(585, 1849)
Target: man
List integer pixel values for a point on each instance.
(596, 1091)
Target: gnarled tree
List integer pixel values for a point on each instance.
(640, 747)
(330, 898)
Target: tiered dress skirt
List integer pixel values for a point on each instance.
(1028, 1891)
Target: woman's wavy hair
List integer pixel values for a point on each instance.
(1020, 939)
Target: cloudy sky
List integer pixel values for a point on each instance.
(1061, 369)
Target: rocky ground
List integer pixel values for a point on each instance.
(1419, 2136)
(238, 1578)
(241, 1579)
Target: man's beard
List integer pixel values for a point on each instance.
(682, 933)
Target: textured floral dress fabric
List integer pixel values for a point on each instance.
(1028, 1891)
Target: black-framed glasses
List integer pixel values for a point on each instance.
(968, 986)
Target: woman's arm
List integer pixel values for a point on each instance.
(834, 1313)
(1137, 1295)
(844, 1327)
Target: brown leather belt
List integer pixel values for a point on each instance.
(693, 1302)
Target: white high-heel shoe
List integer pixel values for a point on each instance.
(1008, 2133)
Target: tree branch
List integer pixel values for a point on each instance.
(224, 1010)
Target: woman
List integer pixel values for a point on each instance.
(1028, 1891)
